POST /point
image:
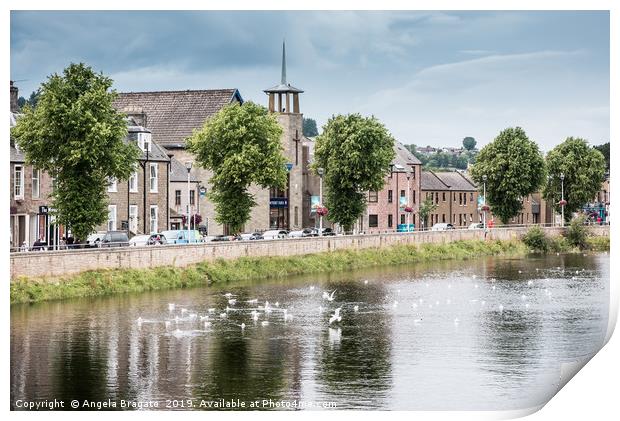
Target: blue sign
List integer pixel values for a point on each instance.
(289, 167)
(405, 228)
(278, 202)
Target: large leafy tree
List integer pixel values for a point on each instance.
(356, 153)
(469, 143)
(309, 127)
(514, 168)
(77, 136)
(604, 149)
(241, 145)
(584, 171)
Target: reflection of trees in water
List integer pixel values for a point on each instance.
(353, 361)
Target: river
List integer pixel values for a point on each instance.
(486, 334)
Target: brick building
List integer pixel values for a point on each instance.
(386, 208)
(139, 204)
(179, 194)
(455, 196)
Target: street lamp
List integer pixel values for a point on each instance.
(408, 190)
(484, 202)
(320, 171)
(562, 203)
(188, 165)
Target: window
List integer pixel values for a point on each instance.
(133, 218)
(133, 182)
(296, 217)
(402, 219)
(177, 197)
(111, 217)
(18, 182)
(436, 197)
(413, 197)
(390, 198)
(390, 220)
(402, 193)
(471, 197)
(443, 198)
(112, 185)
(153, 173)
(144, 141)
(443, 218)
(154, 220)
(192, 197)
(373, 221)
(36, 185)
(373, 196)
(460, 199)
(464, 199)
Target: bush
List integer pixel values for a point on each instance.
(598, 243)
(536, 240)
(577, 233)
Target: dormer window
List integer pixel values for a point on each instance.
(144, 141)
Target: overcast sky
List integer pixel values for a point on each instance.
(432, 78)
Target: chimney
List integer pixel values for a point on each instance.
(14, 93)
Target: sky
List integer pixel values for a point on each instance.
(432, 78)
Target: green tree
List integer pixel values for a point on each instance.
(514, 168)
(584, 171)
(469, 143)
(21, 101)
(309, 128)
(426, 208)
(77, 136)
(356, 153)
(604, 149)
(241, 145)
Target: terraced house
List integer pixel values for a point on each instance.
(455, 197)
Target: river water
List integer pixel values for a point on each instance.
(487, 334)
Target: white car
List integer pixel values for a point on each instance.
(475, 226)
(139, 240)
(274, 234)
(94, 240)
(442, 227)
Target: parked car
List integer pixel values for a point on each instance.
(94, 240)
(476, 226)
(442, 227)
(274, 234)
(221, 237)
(326, 232)
(194, 237)
(115, 239)
(249, 237)
(306, 232)
(171, 236)
(147, 240)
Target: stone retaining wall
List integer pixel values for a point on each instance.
(65, 262)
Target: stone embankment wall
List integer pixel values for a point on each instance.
(66, 262)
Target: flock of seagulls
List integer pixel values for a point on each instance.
(260, 313)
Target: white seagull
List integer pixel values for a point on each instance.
(336, 317)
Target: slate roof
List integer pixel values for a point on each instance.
(173, 115)
(430, 181)
(403, 156)
(178, 172)
(456, 181)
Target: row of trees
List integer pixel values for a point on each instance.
(512, 166)
(442, 160)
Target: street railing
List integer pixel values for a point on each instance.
(124, 244)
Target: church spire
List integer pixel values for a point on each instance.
(283, 81)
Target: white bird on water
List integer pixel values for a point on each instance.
(252, 301)
(170, 306)
(530, 282)
(207, 324)
(328, 296)
(232, 301)
(311, 287)
(267, 307)
(336, 317)
(366, 282)
(254, 315)
(139, 321)
(211, 310)
(264, 323)
(228, 295)
(223, 315)
(277, 304)
(242, 326)
(356, 308)
(501, 308)
(204, 318)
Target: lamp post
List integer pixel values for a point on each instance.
(188, 165)
(408, 190)
(320, 171)
(484, 202)
(562, 202)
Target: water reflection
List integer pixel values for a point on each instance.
(485, 334)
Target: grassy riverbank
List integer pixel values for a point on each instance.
(104, 282)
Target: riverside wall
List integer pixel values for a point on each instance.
(55, 264)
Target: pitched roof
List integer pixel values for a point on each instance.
(456, 181)
(173, 115)
(178, 172)
(403, 157)
(430, 181)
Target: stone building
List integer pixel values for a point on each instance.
(139, 204)
(172, 116)
(179, 196)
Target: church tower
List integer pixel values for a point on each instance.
(285, 206)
